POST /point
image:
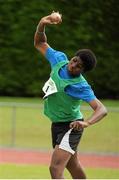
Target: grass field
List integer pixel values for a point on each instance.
(31, 125)
(27, 127)
(11, 171)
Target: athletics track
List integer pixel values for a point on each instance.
(43, 158)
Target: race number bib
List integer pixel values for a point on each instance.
(49, 88)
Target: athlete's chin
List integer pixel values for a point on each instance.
(73, 74)
(70, 72)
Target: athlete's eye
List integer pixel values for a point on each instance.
(75, 60)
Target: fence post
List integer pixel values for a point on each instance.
(13, 129)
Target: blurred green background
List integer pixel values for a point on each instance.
(12, 171)
(86, 24)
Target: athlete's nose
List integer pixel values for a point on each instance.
(73, 65)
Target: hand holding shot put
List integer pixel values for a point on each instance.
(53, 18)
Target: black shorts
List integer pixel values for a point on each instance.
(67, 139)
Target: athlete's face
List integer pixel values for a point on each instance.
(75, 66)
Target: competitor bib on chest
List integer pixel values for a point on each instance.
(49, 88)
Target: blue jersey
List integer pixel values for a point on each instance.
(80, 90)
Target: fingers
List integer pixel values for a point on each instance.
(52, 19)
(55, 17)
(76, 125)
(55, 12)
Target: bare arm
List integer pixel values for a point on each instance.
(99, 112)
(40, 38)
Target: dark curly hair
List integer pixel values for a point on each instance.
(88, 59)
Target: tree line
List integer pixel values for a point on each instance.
(86, 24)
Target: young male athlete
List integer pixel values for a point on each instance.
(64, 90)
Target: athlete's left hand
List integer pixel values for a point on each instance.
(77, 125)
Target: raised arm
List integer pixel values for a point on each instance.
(40, 38)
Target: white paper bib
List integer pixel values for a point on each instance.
(49, 87)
